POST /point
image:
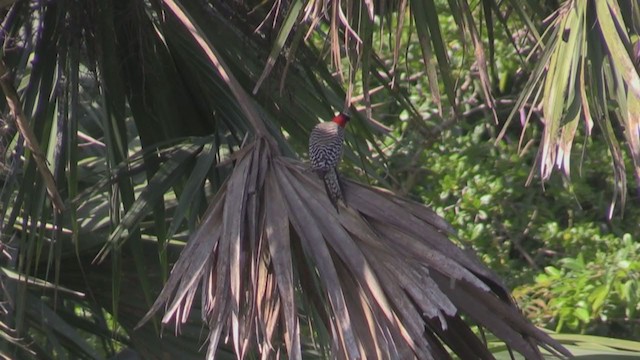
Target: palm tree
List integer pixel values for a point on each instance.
(133, 126)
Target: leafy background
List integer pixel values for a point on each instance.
(128, 110)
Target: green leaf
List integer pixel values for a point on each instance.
(555, 272)
(165, 178)
(582, 314)
(598, 297)
(290, 19)
(609, 18)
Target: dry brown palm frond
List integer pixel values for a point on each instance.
(381, 277)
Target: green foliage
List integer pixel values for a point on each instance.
(590, 290)
(573, 269)
(520, 231)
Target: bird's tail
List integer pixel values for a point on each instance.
(333, 187)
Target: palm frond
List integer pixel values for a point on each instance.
(113, 92)
(587, 63)
(395, 284)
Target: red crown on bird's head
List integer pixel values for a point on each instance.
(341, 119)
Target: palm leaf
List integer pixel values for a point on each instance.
(119, 78)
(354, 254)
(587, 43)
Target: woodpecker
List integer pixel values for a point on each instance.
(325, 152)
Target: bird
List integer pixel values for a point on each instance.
(325, 152)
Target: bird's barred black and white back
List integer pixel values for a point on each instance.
(325, 152)
(325, 146)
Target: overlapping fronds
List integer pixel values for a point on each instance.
(271, 245)
(349, 30)
(589, 62)
(96, 81)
